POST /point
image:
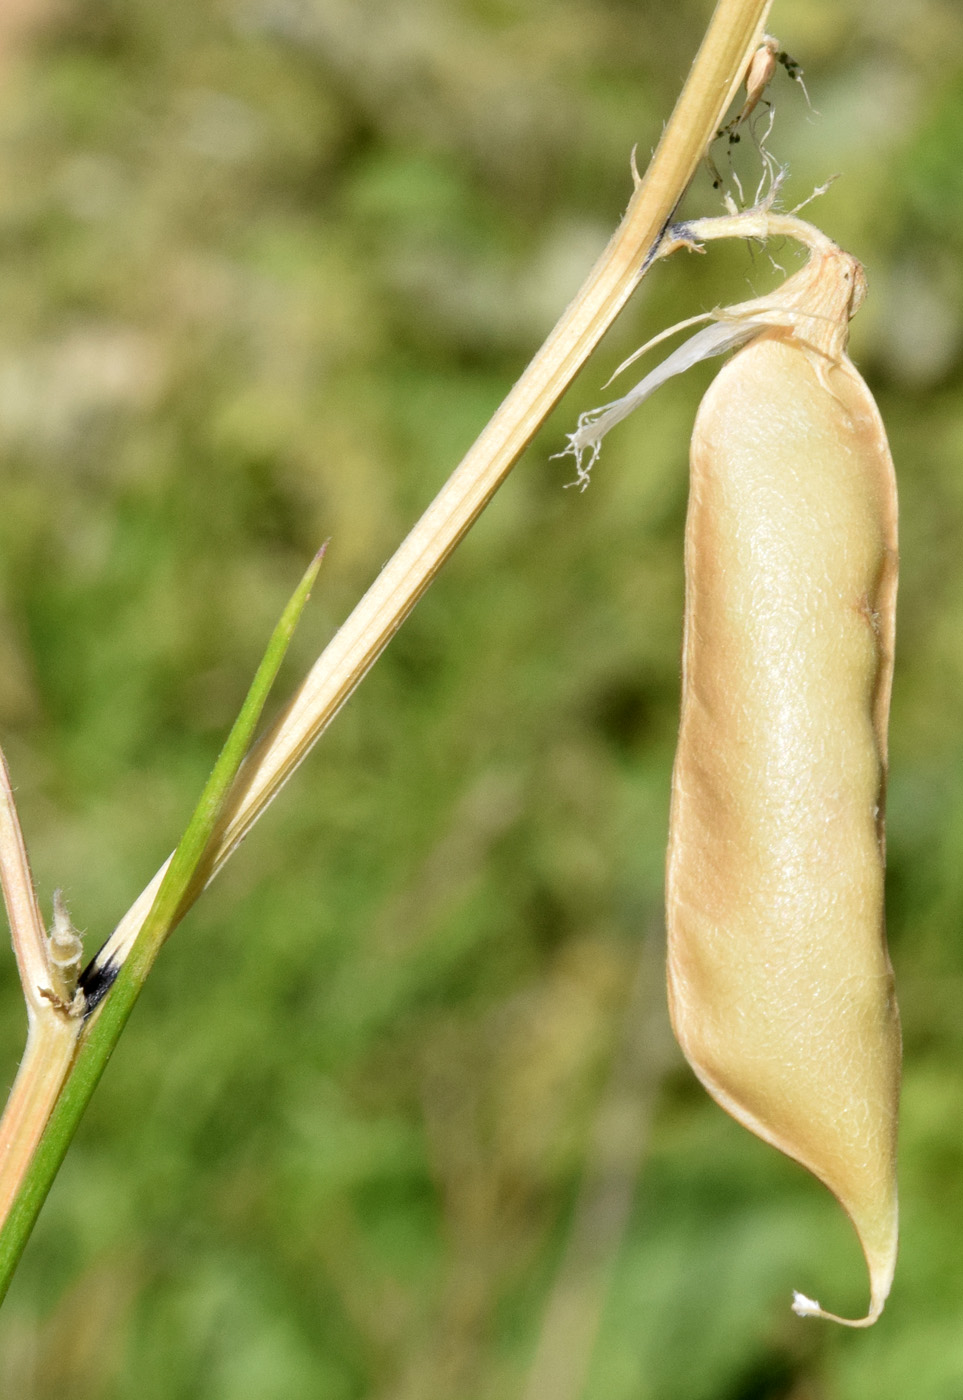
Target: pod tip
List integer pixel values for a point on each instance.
(808, 1307)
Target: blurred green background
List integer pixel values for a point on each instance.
(398, 1116)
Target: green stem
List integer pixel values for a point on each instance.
(68, 1100)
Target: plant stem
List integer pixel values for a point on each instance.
(716, 74)
(52, 1032)
(51, 1045)
(64, 1058)
(23, 915)
(733, 35)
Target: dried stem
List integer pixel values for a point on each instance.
(47, 1060)
(733, 36)
(52, 1032)
(26, 925)
(734, 33)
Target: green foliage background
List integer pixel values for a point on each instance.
(401, 1086)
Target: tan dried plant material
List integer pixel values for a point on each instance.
(780, 986)
(759, 74)
(65, 954)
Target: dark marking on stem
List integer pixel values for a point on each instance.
(96, 981)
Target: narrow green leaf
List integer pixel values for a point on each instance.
(183, 880)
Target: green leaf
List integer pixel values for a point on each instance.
(183, 881)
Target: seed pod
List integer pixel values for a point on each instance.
(780, 986)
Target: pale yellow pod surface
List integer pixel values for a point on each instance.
(780, 986)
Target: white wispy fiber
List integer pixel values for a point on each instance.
(717, 339)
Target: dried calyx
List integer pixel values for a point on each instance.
(813, 306)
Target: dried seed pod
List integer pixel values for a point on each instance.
(780, 986)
